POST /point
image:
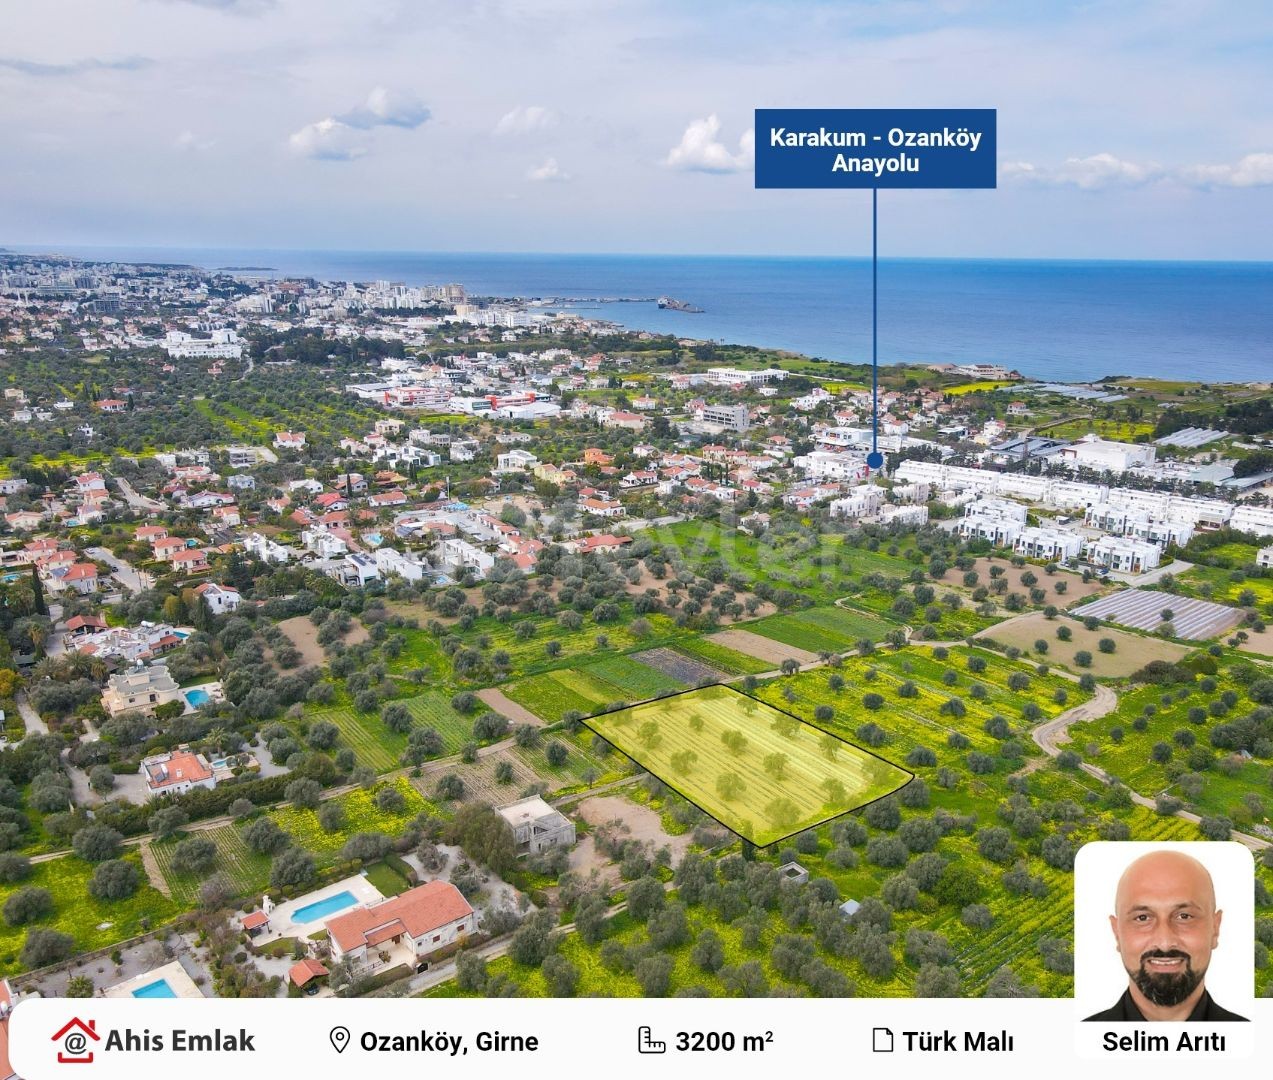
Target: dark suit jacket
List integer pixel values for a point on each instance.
(1125, 1011)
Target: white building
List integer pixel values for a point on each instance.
(734, 417)
(537, 826)
(1051, 545)
(139, 689)
(910, 514)
(1093, 452)
(323, 543)
(456, 555)
(408, 567)
(1264, 557)
(1257, 520)
(265, 549)
(726, 376)
(825, 465)
(222, 345)
(1122, 553)
(513, 461)
(859, 503)
(996, 520)
(221, 599)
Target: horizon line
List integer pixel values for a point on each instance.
(40, 249)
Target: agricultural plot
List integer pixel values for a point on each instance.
(1141, 609)
(825, 629)
(588, 688)
(815, 567)
(716, 655)
(759, 771)
(1131, 651)
(432, 709)
(373, 744)
(676, 665)
(93, 923)
(906, 698)
(1160, 739)
(361, 815)
(246, 871)
(583, 764)
(1228, 586)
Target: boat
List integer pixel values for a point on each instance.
(678, 305)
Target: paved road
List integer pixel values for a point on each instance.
(131, 579)
(34, 725)
(138, 502)
(1176, 566)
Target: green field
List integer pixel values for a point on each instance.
(246, 870)
(375, 745)
(730, 661)
(93, 923)
(588, 688)
(779, 777)
(823, 629)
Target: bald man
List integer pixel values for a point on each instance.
(1165, 926)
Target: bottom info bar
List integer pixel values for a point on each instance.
(984, 1038)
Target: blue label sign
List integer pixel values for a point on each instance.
(875, 148)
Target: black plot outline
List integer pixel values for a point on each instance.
(726, 686)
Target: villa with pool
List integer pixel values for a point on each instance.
(360, 924)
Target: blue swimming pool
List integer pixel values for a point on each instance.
(197, 697)
(157, 989)
(320, 909)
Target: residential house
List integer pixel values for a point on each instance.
(139, 689)
(537, 826)
(176, 772)
(289, 440)
(407, 928)
(221, 599)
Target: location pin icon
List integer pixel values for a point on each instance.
(340, 1038)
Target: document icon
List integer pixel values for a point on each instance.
(881, 1040)
(647, 1044)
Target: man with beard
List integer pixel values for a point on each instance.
(1165, 925)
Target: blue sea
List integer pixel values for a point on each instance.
(1063, 320)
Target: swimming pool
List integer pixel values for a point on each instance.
(157, 989)
(197, 697)
(320, 909)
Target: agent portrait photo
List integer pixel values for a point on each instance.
(1167, 927)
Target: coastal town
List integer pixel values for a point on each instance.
(376, 638)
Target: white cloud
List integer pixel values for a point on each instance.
(1254, 170)
(387, 108)
(337, 138)
(701, 151)
(549, 170)
(327, 140)
(525, 119)
(1106, 171)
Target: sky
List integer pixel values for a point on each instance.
(1126, 129)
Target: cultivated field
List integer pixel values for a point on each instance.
(757, 770)
(1131, 651)
(765, 649)
(1141, 609)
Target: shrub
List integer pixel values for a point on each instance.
(26, 905)
(44, 946)
(194, 855)
(114, 880)
(96, 843)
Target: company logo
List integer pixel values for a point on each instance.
(76, 1036)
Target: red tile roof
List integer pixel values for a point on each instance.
(255, 919)
(303, 970)
(417, 911)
